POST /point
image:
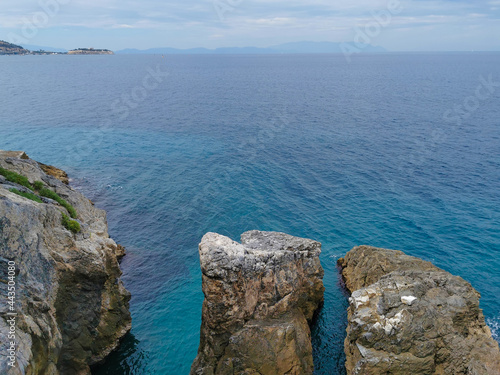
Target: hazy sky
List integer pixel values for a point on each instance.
(419, 25)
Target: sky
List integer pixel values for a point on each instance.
(397, 25)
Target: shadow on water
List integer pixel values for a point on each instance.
(128, 359)
(329, 328)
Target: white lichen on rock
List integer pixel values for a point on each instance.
(408, 300)
(407, 316)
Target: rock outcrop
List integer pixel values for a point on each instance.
(72, 308)
(407, 316)
(260, 296)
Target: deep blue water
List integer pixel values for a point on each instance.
(346, 154)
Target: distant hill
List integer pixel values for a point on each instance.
(196, 51)
(166, 50)
(7, 48)
(319, 47)
(90, 51)
(295, 47)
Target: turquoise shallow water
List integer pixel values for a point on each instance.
(346, 154)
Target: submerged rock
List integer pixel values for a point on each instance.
(260, 296)
(407, 316)
(72, 308)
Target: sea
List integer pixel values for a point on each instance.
(395, 150)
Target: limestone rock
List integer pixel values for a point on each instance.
(407, 316)
(260, 296)
(13, 154)
(72, 308)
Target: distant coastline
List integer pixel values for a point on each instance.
(305, 47)
(7, 48)
(90, 51)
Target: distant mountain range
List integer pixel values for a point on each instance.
(294, 47)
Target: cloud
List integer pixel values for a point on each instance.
(194, 23)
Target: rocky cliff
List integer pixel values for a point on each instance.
(259, 297)
(407, 316)
(70, 308)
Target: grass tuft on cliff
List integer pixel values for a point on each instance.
(31, 196)
(44, 192)
(38, 186)
(16, 178)
(69, 224)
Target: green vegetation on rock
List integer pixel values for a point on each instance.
(69, 224)
(38, 185)
(31, 196)
(16, 178)
(71, 292)
(53, 195)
